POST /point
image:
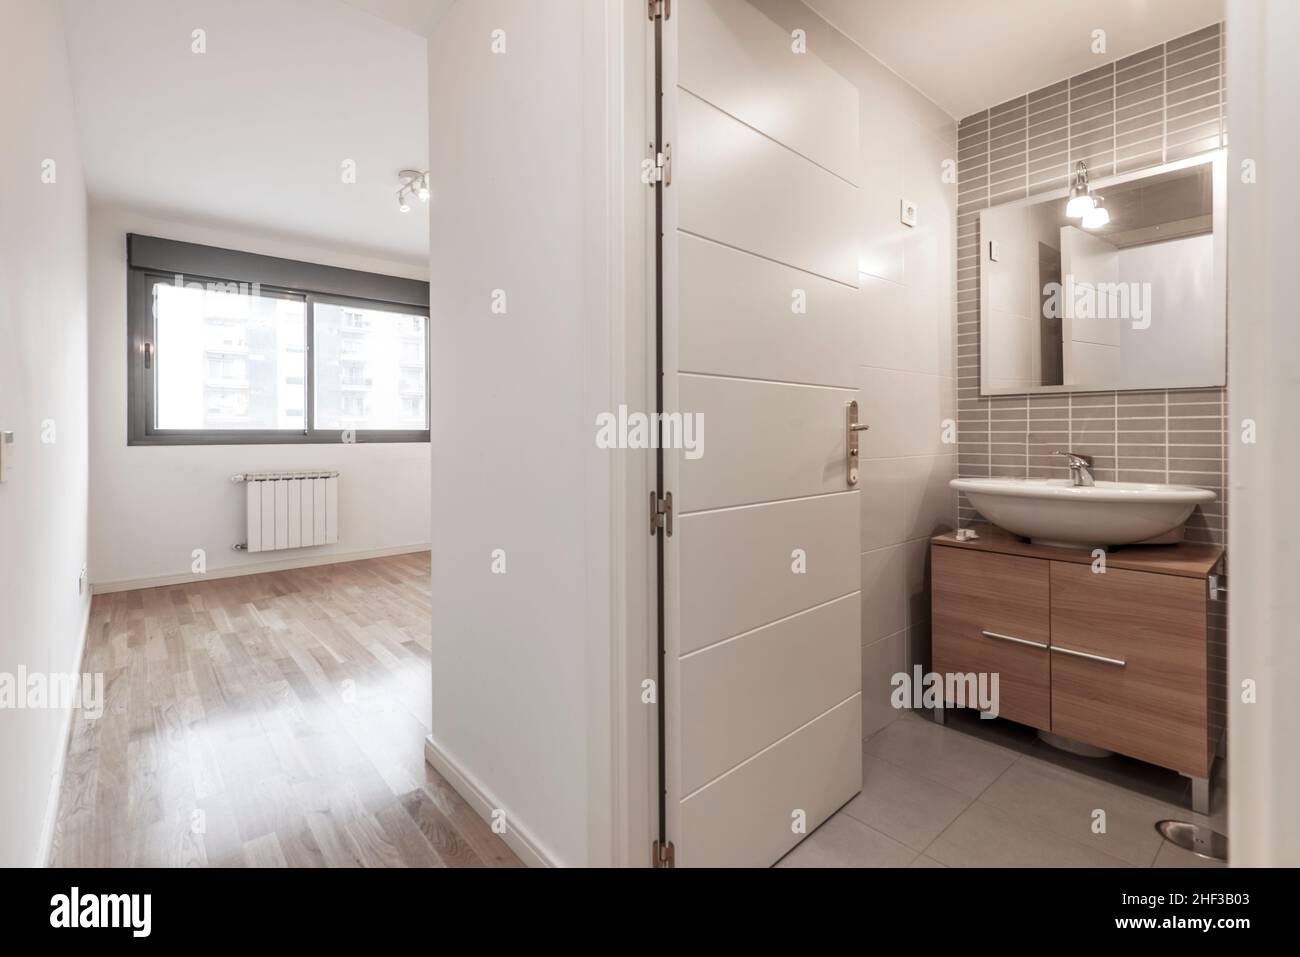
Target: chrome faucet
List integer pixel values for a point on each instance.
(1079, 468)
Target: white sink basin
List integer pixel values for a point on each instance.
(1054, 512)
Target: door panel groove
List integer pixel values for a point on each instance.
(748, 378)
(763, 441)
(768, 624)
(739, 187)
(770, 259)
(681, 513)
(727, 54)
(766, 136)
(742, 694)
(852, 287)
(742, 819)
(775, 744)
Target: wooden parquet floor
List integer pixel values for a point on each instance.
(270, 720)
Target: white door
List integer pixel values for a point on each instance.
(762, 697)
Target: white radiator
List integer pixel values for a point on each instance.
(291, 509)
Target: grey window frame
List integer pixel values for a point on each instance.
(150, 260)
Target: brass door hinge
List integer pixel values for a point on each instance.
(660, 9)
(663, 854)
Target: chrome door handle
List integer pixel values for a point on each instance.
(1011, 638)
(853, 428)
(1083, 654)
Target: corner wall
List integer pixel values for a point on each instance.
(43, 505)
(522, 555)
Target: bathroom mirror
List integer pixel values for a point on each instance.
(1116, 283)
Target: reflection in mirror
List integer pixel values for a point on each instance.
(1116, 284)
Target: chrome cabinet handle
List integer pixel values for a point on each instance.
(1011, 638)
(1090, 657)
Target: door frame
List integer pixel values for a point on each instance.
(619, 316)
(669, 743)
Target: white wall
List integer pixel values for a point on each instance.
(1264, 339)
(151, 506)
(42, 380)
(521, 691)
(1186, 318)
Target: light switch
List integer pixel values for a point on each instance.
(6, 454)
(995, 251)
(907, 212)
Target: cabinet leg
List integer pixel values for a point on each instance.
(940, 715)
(1201, 795)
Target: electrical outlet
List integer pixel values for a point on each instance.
(907, 212)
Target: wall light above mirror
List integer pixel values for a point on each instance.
(1111, 284)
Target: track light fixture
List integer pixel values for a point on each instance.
(414, 183)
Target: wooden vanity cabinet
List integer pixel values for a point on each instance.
(992, 616)
(1120, 660)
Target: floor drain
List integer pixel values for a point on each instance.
(1201, 841)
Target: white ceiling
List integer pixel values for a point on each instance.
(253, 133)
(967, 55)
(418, 16)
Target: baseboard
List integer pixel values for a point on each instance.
(530, 850)
(65, 738)
(257, 568)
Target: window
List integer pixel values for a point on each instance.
(239, 339)
(367, 362)
(272, 351)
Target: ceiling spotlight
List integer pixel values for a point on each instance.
(1098, 216)
(1080, 195)
(414, 183)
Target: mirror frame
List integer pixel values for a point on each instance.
(1219, 286)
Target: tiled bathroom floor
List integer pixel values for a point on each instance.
(990, 794)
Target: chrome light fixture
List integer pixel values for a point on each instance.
(1081, 199)
(414, 183)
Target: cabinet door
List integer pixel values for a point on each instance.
(990, 615)
(1148, 698)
